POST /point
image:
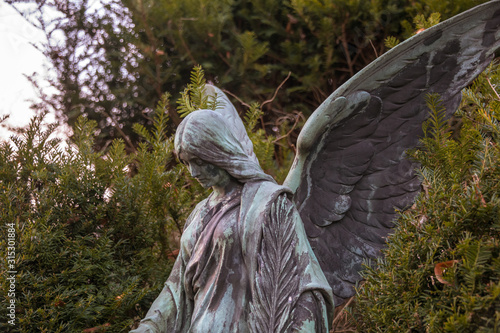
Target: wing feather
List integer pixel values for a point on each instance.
(351, 174)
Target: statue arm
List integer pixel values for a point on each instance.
(310, 313)
(171, 311)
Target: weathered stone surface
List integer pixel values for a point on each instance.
(259, 257)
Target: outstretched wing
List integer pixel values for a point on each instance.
(351, 173)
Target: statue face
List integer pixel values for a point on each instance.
(207, 174)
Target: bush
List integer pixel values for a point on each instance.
(90, 238)
(441, 269)
(96, 233)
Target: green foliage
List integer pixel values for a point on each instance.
(193, 97)
(97, 232)
(94, 232)
(422, 23)
(252, 116)
(251, 50)
(435, 11)
(435, 127)
(113, 64)
(391, 42)
(441, 271)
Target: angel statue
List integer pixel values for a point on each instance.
(259, 257)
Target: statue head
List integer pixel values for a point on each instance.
(205, 135)
(207, 174)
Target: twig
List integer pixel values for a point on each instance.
(485, 155)
(186, 48)
(478, 190)
(276, 91)
(239, 100)
(154, 47)
(222, 57)
(342, 69)
(144, 114)
(337, 318)
(498, 96)
(343, 39)
(374, 49)
(290, 131)
(117, 126)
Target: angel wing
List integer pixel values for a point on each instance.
(351, 172)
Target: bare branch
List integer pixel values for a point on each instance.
(277, 89)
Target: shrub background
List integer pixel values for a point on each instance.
(113, 61)
(97, 233)
(93, 242)
(98, 220)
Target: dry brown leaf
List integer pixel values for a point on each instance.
(440, 268)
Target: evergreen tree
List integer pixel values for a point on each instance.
(96, 234)
(92, 243)
(114, 59)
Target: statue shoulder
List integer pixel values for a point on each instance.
(259, 196)
(266, 192)
(196, 211)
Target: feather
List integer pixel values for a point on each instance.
(351, 173)
(277, 280)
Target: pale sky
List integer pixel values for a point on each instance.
(17, 57)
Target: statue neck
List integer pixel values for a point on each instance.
(225, 190)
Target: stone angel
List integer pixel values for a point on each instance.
(259, 257)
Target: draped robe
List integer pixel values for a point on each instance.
(213, 286)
